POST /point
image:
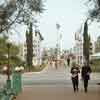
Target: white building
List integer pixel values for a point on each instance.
(79, 52)
(37, 49)
(78, 49)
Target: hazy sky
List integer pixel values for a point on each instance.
(70, 14)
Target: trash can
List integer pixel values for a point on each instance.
(17, 82)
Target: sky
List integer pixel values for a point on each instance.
(69, 14)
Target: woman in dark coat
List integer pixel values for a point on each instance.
(85, 73)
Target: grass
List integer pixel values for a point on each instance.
(39, 68)
(95, 65)
(36, 68)
(96, 68)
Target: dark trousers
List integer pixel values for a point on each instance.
(75, 84)
(85, 84)
(68, 63)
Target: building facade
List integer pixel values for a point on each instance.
(37, 49)
(78, 49)
(97, 45)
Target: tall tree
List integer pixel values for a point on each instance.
(13, 53)
(86, 43)
(29, 43)
(13, 12)
(94, 11)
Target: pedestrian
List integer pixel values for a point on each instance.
(68, 61)
(75, 78)
(85, 73)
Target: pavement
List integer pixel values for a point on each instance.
(52, 76)
(52, 84)
(58, 93)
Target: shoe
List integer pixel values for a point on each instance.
(75, 90)
(85, 90)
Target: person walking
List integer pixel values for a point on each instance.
(75, 78)
(85, 73)
(68, 61)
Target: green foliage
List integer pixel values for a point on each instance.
(29, 43)
(86, 44)
(18, 11)
(38, 68)
(45, 56)
(13, 53)
(95, 65)
(94, 11)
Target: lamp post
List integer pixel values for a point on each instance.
(8, 67)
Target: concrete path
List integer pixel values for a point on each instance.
(50, 76)
(58, 93)
(51, 84)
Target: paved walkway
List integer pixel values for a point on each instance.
(58, 93)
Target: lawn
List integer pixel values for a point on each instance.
(95, 65)
(39, 68)
(36, 68)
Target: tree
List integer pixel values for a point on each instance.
(29, 44)
(13, 12)
(13, 56)
(94, 11)
(45, 56)
(86, 43)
